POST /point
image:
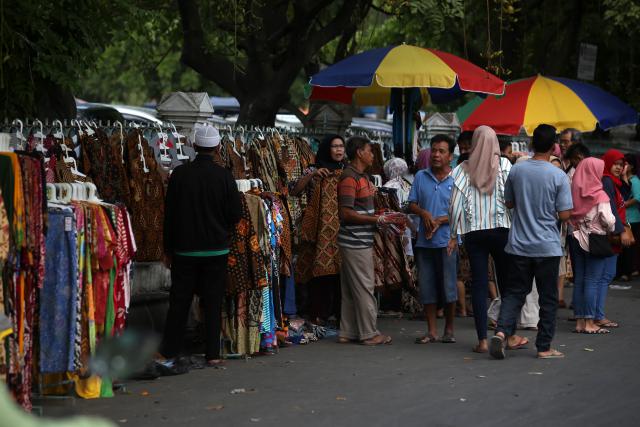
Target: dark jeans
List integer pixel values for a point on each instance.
(205, 276)
(479, 245)
(522, 271)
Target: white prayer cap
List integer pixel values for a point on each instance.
(207, 137)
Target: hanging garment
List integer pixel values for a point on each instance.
(246, 264)
(146, 199)
(58, 295)
(318, 250)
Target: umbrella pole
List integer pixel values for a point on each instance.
(404, 122)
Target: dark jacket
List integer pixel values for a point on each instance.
(201, 208)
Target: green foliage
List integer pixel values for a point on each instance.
(52, 41)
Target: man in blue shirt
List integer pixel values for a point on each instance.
(429, 199)
(540, 195)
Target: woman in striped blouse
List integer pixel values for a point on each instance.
(478, 213)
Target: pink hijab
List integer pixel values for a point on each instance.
(484, 159)
(424, 159)
(586, 187)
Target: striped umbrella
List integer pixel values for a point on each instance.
(561, 102)
(368, 77)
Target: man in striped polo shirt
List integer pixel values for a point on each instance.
(357, 224)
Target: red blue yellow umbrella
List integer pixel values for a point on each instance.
(561, 102)
(367, 78)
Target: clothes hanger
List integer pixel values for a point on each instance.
(20, 134)
(59, 134)
(119, 126)
(39, 134)
(144, 162)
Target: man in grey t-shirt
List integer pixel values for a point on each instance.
(540, 195)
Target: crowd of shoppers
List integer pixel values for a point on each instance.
(520, 227)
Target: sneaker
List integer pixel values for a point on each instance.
(620, 287)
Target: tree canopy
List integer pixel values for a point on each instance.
(263, 51)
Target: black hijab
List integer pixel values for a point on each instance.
(323, 156)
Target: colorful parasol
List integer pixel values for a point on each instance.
(561, 102)
(368, 77)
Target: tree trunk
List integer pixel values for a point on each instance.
(258, 111)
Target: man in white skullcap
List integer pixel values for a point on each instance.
(201, 209)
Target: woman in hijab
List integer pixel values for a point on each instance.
(633, 206)
(322, 290)
(478, 213)
(612, 184)
(592, 214)
(329, 158)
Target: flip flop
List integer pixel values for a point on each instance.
(609, 324)
(343, 340)
(448, 339)
(599, 331)
(496, 347)
(577, 331)
(522, 345)
(555, 354)
(385, 340)
(427, 339)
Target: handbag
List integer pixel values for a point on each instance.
(600, 246)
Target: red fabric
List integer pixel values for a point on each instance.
(339, 94)
(505, 114)
(471, 78)
(586, 187)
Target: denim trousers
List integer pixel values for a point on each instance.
(607, 277)
(588, 273)
(481, 244)
(522, 271)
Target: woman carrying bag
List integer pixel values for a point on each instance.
(592, 219)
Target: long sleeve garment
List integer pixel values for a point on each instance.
(202, 206)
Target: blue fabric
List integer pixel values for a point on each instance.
(58, 295)
(437, 275)
(603, 287)
(539, 191)
(633, 212)
(433, 196)
(403, 135)
(290, 295)
(588, 273)
(608, 109)
(354, 71)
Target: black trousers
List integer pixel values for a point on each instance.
(205, 276)
(324, 297)
(522, 271)
(481, 244)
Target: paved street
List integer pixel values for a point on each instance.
(324, 383)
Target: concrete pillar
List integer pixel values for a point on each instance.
(185, 109)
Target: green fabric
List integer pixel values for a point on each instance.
(204, 253)
(633, 212)
(106, 389)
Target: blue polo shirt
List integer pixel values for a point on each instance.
(433, 196)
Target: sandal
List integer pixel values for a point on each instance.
(551, 354)
(598, 331)
(448, 339)
(608, 324)
(378, 340)
(521, 345)
(427, 339)
(496, 347)
(343, 340)
(577, 331)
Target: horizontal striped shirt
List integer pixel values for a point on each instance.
(356, 192)
(470, 210)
